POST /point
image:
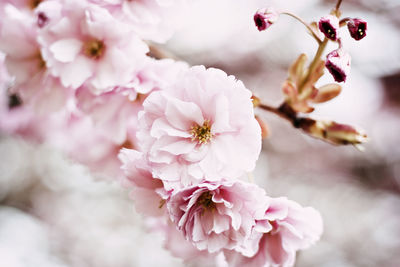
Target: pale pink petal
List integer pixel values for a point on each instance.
(66, 50)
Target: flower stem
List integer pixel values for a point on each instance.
(311, 68)
(339, 2)
(284, 111)
(311, 30)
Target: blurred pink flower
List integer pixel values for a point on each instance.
(215, 216)
(83, 43)
(154, 20)
(147, 192)
(24, 62)
(157, 74)
(114, 113)
(338, 63)
(187, 130)
(286, 228)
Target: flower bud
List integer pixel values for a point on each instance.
(329, 26)
(332, 132)
(338, 63)
(357, 28)
(265, 17)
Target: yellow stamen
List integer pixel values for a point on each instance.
(201, 133)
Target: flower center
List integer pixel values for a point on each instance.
(259, 22)
(205, 200)
(328, 29)
(34, 3)
(94, 49)
(41, 63)
(201, 133)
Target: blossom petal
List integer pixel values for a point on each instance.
(66, 50)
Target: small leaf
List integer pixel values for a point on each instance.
(327, 92)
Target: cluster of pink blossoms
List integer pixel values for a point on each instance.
(76, 74)
(79, 72)
(198, 139)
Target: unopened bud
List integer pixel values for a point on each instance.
(338, 63)
(332, 132)
(326, 93)
(265, 17)
(357, 28)
(329, 26)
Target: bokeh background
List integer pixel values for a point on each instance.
(54, 212)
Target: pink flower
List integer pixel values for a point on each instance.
(286, 228)
(147, 192)
(338, 63)
(215, 216)
(201, 127)
(179, 247)
(357, 28)
(84, 44)
(157, 74)
(329, 26)
(154, 20)
(265, 17)
(112, 113)
(24, 62)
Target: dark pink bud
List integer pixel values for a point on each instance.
(42, 19)
(329, 26)
(338, 63)
(265, 17)
(357, 28)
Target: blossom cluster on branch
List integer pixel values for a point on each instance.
(77, 74)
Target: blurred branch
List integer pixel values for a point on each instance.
(325, 130)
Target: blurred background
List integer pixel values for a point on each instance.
(54, 212)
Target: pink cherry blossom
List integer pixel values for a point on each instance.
(157, 75)
(286, 228)
(84, 44)
(146, 191)
(179, 247)
(201, 127)
(154, 20)
(215, 216)
(114, 113)
(24, 62)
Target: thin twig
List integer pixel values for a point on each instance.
(339, 2)
(305, 24)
